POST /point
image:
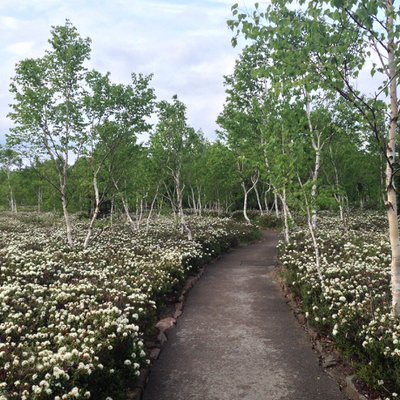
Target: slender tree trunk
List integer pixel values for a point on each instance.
(160, 206)
(40, 199)
(67, 220)
(258, 200)
(179, 205)
(285, 208)
(199, 203)
(95, 211)
(316, 144)
(12, 201)
(140, 217)
(314, 217)
(245, 193)
(338, 197)
(127, 213)
(63, 176)
(315, 245)
(193, 201)
(391, 159)
(124, 205)
(311, 229)
(112, 210)
(276, 204)
(151, 211)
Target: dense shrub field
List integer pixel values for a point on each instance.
(352, 304)
(72, 321)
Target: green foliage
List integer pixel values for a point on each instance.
(352, 306)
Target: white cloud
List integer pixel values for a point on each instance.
(8, 23)
(186, 44)
(23, 49)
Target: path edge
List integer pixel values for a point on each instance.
(332, 361)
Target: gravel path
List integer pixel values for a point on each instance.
(238, 340)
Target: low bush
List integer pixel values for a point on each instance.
(353, 303)
(73, 321)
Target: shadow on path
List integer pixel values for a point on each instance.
(238, 340)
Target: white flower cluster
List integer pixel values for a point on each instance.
(72, 319)
(353, 302)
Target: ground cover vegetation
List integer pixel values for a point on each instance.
(72, 320)
(352, 304)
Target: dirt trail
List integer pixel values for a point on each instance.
(238, 340)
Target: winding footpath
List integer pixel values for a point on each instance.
(238, 340)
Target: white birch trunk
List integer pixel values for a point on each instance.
(391, 158)
(112, 211)
(63, 194)
(276, 204)
(40, 199)
(193, 201)
(125, 206)
(286, 232)
(67, 221)
(179, 205)
(12, 201)
(258, 200)
(313, 237)
(127, 213)
(199, 203)
(245, 192)
(254, 180)
(151, 211)
(314, 216)
(95, 212)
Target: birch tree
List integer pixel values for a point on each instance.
(341, 37)
(8, 160)
(48, 100)
(171, 146)
(115, 114)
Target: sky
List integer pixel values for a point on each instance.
(184, 43)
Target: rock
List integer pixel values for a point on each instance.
(155, 353)
(165, 324)
(318, 346)
(179, 306)
(177, 314)
(336, 374)
(351, 391)
(142, 378)
(312, 332)
(162, 338)
(189, 283)
(329, 361)
(134, 394)
(301, 318)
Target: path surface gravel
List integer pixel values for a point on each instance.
(238, 340)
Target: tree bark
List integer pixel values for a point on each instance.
(63, 194)
(258, 200)
(285, 208)
(151, 211)
(316, 144)
(179, 205)
(391, 204)
(12, 201)
(95, 212)
(276, 204)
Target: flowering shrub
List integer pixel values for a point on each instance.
(72, 321)
(353, 302)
